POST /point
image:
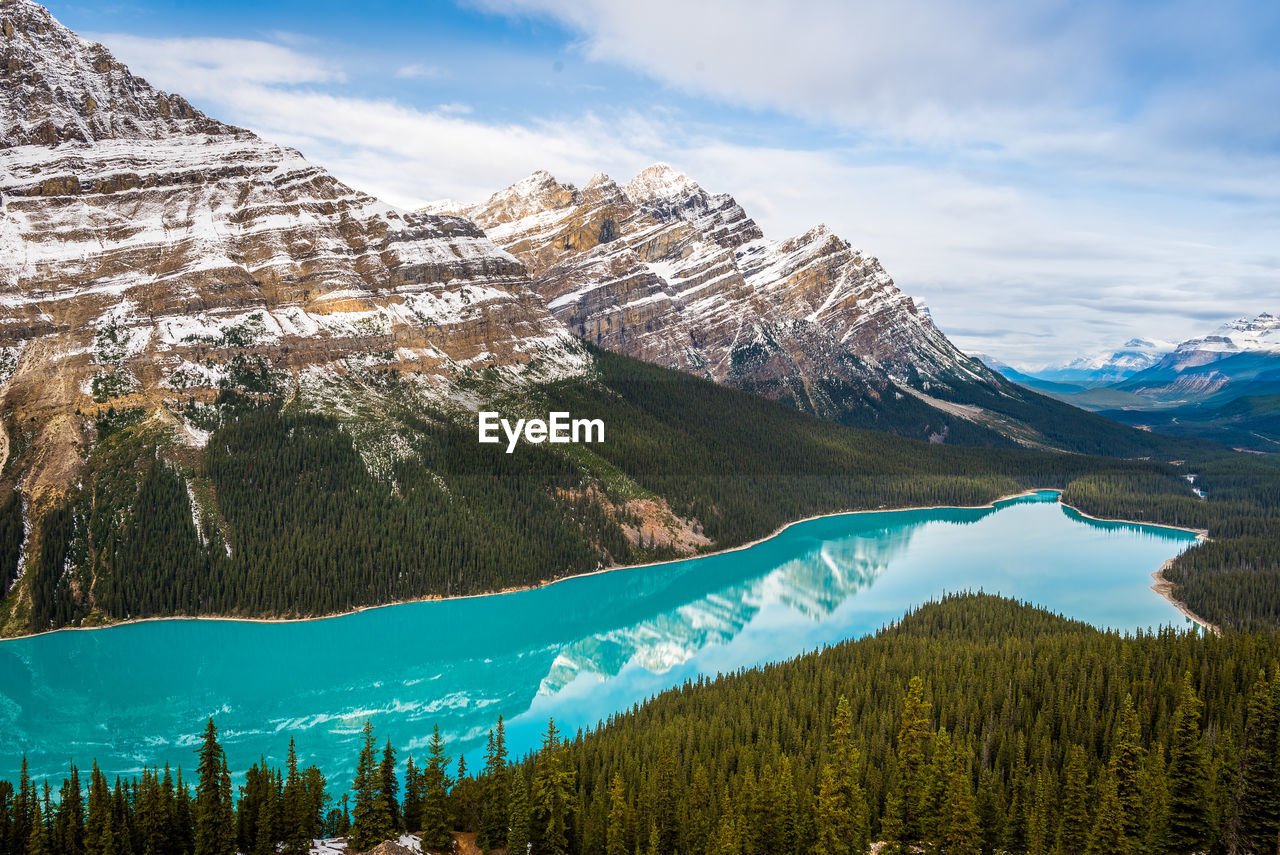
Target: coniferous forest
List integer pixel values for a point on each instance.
(975, 725)
(282, 513)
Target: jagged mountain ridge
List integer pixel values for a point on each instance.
(150, 254)
(663, 270)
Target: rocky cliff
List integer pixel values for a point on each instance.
(663, 270)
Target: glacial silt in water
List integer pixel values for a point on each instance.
(578, 650)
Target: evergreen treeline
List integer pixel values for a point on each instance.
(289, 521)
(975, 725)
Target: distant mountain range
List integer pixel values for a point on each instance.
(1224, 385)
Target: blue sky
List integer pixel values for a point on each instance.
(1050, 177)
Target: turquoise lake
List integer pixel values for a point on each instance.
(577, 650)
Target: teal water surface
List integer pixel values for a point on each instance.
(577, 650)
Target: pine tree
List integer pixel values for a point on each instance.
(553, 790)
(1040, 816)
(728, 839)
(412, 797)
(662, 803)
(1260, 785)
(465, 799)
(214, 830)
(1127, 760)
(519, 816)
(122, 838)
(1188, 830)
(841, 812)
(1108, 837)
(26, 805)
(961, 834)
(69, 823)
(493, 816)
(38, 842)
(389, 787)
(1073, 831)
(151, 815)
(227, 816)
(617, 835)
(1155, 796)
(371, 816)
(173, 838)
(295, 819)
(182, 817)
(435, 796)
(699, 813)
(902, 826)
(97, 830)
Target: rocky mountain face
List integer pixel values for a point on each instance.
(151, 256)
(665, 271)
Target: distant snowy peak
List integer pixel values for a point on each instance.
(1141, 359)
(1257, 335)
(1135, 355)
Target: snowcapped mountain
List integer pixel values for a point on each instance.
(1101, 369)
(151, 254)
(1135, 355)
(1259, 335)
(1237, 355)
(1242, 335)
(661, 269)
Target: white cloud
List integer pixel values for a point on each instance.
(418, 71)
(203, 65)
(1024, 271)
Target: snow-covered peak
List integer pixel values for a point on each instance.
(601, 189)
(1135, 355)
(539, 183)
(444, 206)
(1257, 335)
(659, 181)
(532, 195)
(56, 86)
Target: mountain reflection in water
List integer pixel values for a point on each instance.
(580, 650)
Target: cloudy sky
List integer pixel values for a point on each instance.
(1051, 176)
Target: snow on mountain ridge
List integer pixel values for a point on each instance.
(659, 181)
(1134, 355)
(1258, 334)
(60, 87)
(663, 270)
(151, 256)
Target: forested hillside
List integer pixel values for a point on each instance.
(975, 725)
(365, 492)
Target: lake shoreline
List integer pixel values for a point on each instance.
(1164, 587)
(1165, 591)
(1160, 583)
